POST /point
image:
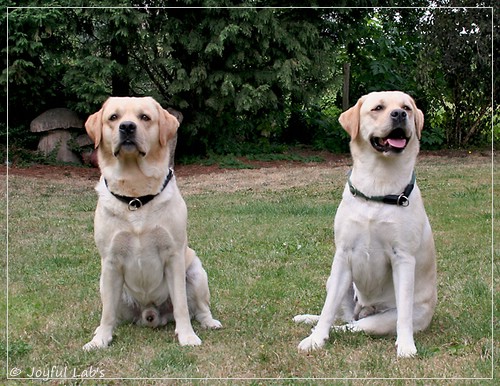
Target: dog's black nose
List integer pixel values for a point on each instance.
(398, 115)
(128, 127)
(150, 318)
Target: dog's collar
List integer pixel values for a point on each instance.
(391, 199)
(135, 203)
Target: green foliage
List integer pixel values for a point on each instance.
(250, 75)
(383, 52)
(321, 123)
(455, 72)
(495, 127)
(37, 48)
(434, 135)
(240, 69)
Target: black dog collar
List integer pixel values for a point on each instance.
(135, 203)
(391, 199)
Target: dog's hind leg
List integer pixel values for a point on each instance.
(347, 311)
(198, 295)
(306, 319)
(382, 323)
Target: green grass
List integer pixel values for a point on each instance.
(232, 161)
(268, 254)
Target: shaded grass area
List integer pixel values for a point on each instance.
(268, 254)
(247, 161)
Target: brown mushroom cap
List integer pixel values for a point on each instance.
(59, 118)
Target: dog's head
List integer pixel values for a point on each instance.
(387, 121)
(131, 127)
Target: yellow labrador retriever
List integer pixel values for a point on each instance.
(383, 277)
(148, 273)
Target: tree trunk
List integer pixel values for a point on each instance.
(345, 91)
(120, 80)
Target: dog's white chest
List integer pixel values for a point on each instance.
(374, 236)
(143, 258)
(370, 238)
(366, 229)
(144, 272)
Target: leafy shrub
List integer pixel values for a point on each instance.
(433, 135)
(321, 123)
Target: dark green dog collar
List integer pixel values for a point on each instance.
(391, 199)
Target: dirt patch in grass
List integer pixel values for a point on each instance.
(261, 175)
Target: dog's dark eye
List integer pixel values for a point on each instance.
(144, 117)
(378, 108)
(113, 117)
(407, 108)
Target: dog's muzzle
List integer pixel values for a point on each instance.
(127, 132)
(398, 138)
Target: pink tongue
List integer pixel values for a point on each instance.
(399, 143)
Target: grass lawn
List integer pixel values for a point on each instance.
(265, 238)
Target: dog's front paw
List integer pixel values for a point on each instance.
(189, 340)
(213, 324)
(306, 318)
(94, 345)
(312, 342)
(102, 338)
(407, 349)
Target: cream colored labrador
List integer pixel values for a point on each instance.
(149, 275)
(383, 277)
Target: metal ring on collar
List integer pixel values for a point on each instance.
(134, 204)
(402, 200)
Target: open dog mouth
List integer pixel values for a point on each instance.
(396, 141)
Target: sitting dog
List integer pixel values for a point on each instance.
(149, 275)
(383, 277)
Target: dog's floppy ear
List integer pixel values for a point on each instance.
(349, 119)
(168, 126)
(93, 125)
(419, 119)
